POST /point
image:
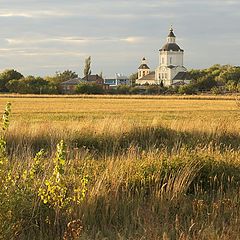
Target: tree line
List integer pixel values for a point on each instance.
(217, 79)
(13, 81)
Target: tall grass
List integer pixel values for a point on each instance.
(121, 180)
(138, 195)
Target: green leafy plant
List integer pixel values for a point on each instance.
(54, 190)
(5, 125)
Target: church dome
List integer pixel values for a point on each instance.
(171, 47)
(144, 64)
(171, 34)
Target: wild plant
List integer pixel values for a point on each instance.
(54, 190)
(5, 125)
(37, 166)
(7, 182)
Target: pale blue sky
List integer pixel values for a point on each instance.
(45, 36)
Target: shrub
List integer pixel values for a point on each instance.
(187, 89)
(86, 88)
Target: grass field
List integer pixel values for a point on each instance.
(133, 167)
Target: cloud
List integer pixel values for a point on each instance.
(37, 52)
(38, 40)
(7, 13)
(61, 32)
(133, 39)
(70, 40)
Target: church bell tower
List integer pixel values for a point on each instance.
(170, 61)
(143, 69)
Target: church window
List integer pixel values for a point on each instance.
(162, 60)
(170, 60)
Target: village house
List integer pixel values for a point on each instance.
(70, 86)
(118, 80)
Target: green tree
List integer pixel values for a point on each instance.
(133, 77)
(7, 76)
(187, 89)
(231, 86)
(196, 74)
(230, 74)
(60, 77)
(205, 83)
(153, 89)
(86, 88)
(87, 68)
(30, 84)
(216, 90)
(123, 89)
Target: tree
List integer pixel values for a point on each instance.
(87, 68)
(216, 90)
(153, 89)
(133, 77)
(196, 74)
(187, 89)
(8, 75)
(62, 76)
(231, 86)
(30, 84)
(231, 74)
(123, 89)
(86, 88)
(205, 83)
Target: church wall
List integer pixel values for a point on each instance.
(143, 72)
(171, 58)
(142, 82)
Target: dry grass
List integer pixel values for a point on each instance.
(158, 167)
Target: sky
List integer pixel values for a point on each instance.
(40, 37)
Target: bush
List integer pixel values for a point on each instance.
(123, 89)
(187, 89)
(31, 85)
(85, 88)
(216, 90)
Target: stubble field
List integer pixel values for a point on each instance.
(128, 168)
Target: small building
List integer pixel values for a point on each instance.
(118, 80)
(95, 79)
(69, 87)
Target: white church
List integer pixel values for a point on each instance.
(171, 71)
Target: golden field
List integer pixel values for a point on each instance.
(207, 111)
(134, 167)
